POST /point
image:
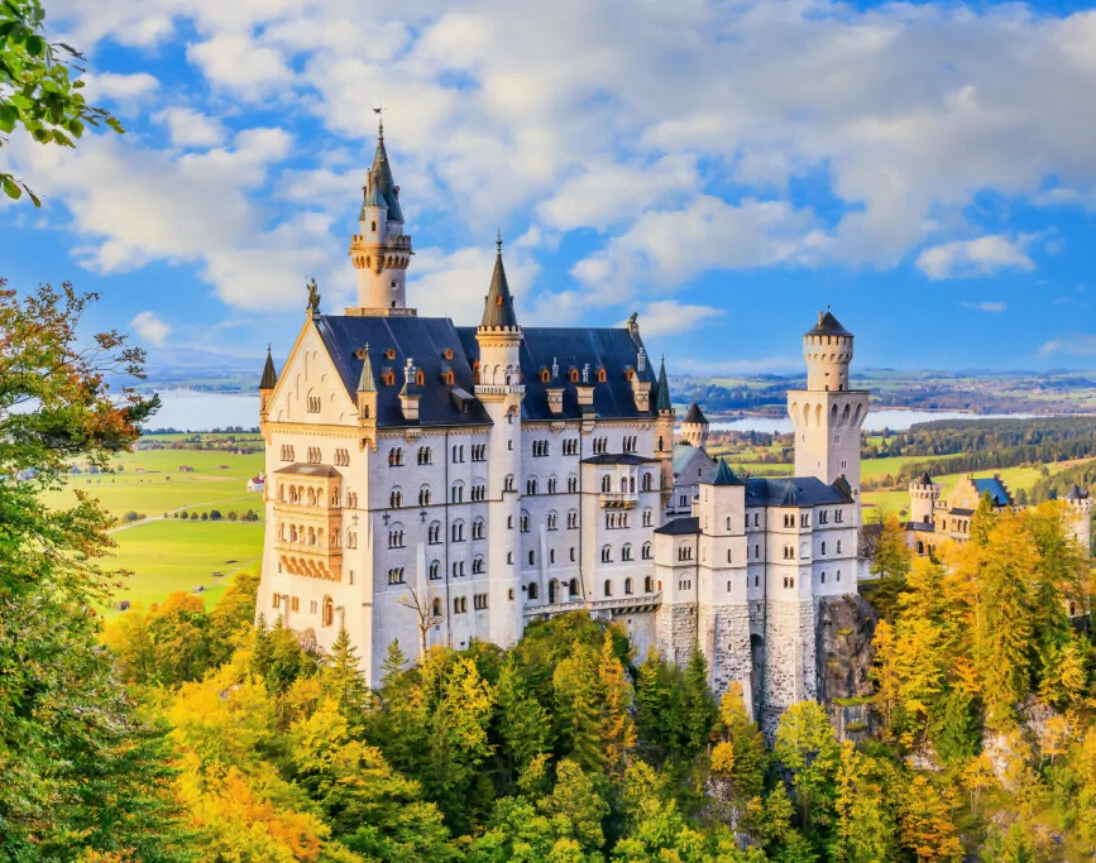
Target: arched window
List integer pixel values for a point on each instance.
(531, 486)
(395, 456)
(626, 552)
(648, 584)
(685, 552)
(435, 608)
(572, 587)
(839, 546)
(572, 484)
(608, 587)
(606, 554)
(456, 495)
(572, 519)
(478, 528)
(424, 496)
(728, 555)
(328, 611)
(606, 484)
(457, 531)
(648, 517)
(435, 570)
(433, 533)
(425, 456)
(532, 558)
(647, 481)
(395, 499)
(508, 482)
(551, 521)
(552, 484)
(646, 551)
(532, 591)
(628, 586)
(477, 566)
(395, 536)
(524, 522)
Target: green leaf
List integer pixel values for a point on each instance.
(11, 188)
(35, 46)
(7, 118)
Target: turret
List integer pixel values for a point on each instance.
(924, 494)
(381, 252)
(827, 415)
(1080, 506)
(664, 431)
(694, 428)
(267, 384)
(367, 388)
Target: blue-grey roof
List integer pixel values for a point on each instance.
(498, 307)
(995, 489)
(383, 180)
(684, 454)
(374, 197)
(662, 390)
(793, 491)
(423, 339)
(614, 350)
(695, 415)
(827, 325)
(270, 377)
(619, 458)
(680, 526)
(723, 475)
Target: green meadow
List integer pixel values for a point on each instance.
(170, 554)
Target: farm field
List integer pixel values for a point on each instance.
(165, 556)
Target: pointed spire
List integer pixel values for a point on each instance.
(498, 310)
(270, 377)
(383, 181)
(724, 475)
(366, 384)
(663, 402)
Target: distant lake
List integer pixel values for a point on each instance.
(191, 410)
(877, 420)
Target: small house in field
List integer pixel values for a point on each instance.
(222, 467)
(183, 468)
(256, 483)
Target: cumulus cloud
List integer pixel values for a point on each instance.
(150, 328)
(189, 128)
(238, 62)
(111, 85)
(668, 317)
(979, 257)
(454, 284)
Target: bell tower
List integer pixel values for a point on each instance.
(382, 252)
(827, 415)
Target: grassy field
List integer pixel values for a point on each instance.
(165, 556)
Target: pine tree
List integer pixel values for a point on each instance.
(617, 731)
(343, 680)
(525, 724)
(578, 704)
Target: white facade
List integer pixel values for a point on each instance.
(455, 483)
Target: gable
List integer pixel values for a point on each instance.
(309, 374)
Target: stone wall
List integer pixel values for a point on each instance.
(846, 626)
(676, 632)
(725, 641)
(789, 660)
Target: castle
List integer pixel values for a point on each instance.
(436, 483)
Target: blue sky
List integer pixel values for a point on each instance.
(724, 169)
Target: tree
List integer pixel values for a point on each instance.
(891, 562)
(37, 92)
(89, 775)
(927, 829)
(806, 746)
(417, 600)
(617, 730)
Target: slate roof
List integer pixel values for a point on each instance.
(796, 491)
(695, 415)
(920, 527)
(684, 454)
(498, 307)
(384, 182)
(925, 479)
(270, 377)
(680, 526)
(960, 511)
(723, 475)
(424, 340)
(309, 470)
(619, 458)
(662, 390)
(615, 350)
(995, 489)
(1075, 493)
(827, 325)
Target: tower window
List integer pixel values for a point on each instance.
(373, 227)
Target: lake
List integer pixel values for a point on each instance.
(191, 410)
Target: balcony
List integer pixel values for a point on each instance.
(619, 499)
(614, 607)
(310, 561)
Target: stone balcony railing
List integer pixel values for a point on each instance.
(619, 499)
(310, 561)
(614, 607)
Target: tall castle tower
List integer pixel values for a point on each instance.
(827, 415)
(664, 433)
(500, 389)
(382, 252)
(1080, 505)
(924, 494)
(694, 428)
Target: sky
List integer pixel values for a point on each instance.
(725, 169)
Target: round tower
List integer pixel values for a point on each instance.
(924, 494)
(694, 428)
(1080, 505)
(827, 415)
(381, 253)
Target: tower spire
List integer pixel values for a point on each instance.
(662, 398)
(366, 384)
(498, 309)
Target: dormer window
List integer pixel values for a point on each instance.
(390, 354)
(448, 378)
(389, 378)
(545, 375)
(601, 376)
(447, 354)
(574, 376)
(420, 378)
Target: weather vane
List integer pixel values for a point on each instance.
(498, 240)
(379, 111)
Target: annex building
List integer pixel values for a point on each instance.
(434, 482)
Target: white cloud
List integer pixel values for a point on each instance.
(455, 284)
(668, 317)
(238, 62)
(110, 85)
(1078, 344)
(988, 306)
(189, 128)
(979, 257)
(150, 328)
